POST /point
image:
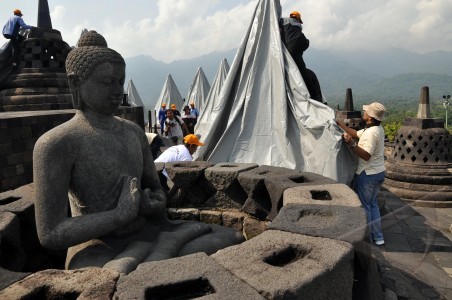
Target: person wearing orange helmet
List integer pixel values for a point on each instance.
(11, 32)
(296, 42)
(162, 117)
(176, 112)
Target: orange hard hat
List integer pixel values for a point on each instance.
(17, 12)
(295, 14)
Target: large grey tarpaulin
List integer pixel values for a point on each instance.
(203, 124)
(169, 95)
(264, 113)
(199, 89)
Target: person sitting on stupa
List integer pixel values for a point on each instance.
(100, 167)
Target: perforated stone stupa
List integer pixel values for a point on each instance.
(351, 117)
(419, 169)
(40, 81)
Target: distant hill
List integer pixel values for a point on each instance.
(387, 76)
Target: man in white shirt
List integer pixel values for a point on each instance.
(179, 153)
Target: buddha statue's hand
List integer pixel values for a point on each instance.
(129, 201)
(153, 202)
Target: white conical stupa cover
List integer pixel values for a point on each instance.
(204, 122)
(169, 95)
(199, 89)
(134, 98)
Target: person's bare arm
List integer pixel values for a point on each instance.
(52, 163)
(360, 152)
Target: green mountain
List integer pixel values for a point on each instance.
(392, 75)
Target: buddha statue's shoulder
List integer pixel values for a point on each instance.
(62, 137)
(132, 127)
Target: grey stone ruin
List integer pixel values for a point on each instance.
(418, 169)
(351, 117)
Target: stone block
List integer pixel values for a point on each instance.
(20, 202)
(253, 227)
(210, 216)
(333, 221)
(223, 177)
(60, 284)
(187, 277)
(188, 177)
(276, 185)
(322, 194)
(258, 202)
(189, 214)
(283, 265)
(233, 219)
(12, 255)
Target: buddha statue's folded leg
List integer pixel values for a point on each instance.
(94, 253)
(219, 238)
(128, 260)
(170, 242)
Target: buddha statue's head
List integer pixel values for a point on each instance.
(96, 74)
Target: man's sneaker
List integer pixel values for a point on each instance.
(379, 242)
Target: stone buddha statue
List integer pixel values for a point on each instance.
(100, 168)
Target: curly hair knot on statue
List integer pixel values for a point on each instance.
(91, 50)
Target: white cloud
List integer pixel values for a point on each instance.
(177, 29)
(58, 13)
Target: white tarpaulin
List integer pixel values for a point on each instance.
(264, 113)
(203, 124)
(134, 98)
(169, 95)
(199, 89)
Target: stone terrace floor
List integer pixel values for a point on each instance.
(417, 254)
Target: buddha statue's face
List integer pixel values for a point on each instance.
(103, 91)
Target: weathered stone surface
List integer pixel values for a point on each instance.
(9, 277)
(336, 222)
(188, 177)
(12, 255)
(223, 177)
(190, 214)
(233, 219)
(20, 202)
(328, 194)
(276, 185)
(259, 203)
(253, 227)
(90, 283)
(187, 277)
(283, 265)
(210, 216)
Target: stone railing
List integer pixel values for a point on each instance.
(306, 239)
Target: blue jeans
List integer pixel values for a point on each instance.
(367, 186)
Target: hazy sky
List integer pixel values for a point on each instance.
(171, 30)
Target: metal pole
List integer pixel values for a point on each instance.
(149, 121)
